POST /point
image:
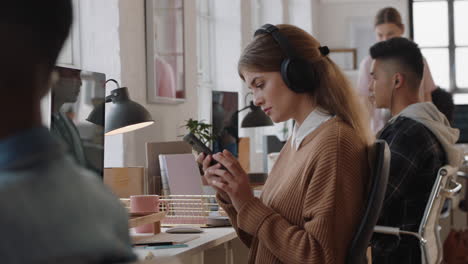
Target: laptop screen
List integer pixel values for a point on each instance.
(74, 95)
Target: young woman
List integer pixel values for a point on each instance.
(313, 198)
(388, 24)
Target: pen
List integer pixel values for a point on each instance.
(156, 244)
(167, 247)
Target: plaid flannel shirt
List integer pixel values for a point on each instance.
(416, 156)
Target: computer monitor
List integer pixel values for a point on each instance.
(74, 94)
(460, 121)
(225, 121)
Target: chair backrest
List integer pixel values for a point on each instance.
(444, 187)
(379, 157)
(153, 150)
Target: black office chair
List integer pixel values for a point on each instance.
(379, 158)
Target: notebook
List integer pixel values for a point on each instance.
(180, 174)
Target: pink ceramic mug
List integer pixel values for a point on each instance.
(144, 204)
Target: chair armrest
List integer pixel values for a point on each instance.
(450, 193)
(387, 230)
(395, 231)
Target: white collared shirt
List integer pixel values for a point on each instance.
(312, 122)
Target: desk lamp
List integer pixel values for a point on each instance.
(123, 115)
(255, 118)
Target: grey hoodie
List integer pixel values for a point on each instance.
(427, 114)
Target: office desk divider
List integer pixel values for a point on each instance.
(192, 210)
(189, 209)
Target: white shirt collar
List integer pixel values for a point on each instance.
(312, 122)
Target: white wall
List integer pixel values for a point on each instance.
(168, 117)
(100, 52)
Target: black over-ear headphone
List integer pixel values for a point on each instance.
(295, 71)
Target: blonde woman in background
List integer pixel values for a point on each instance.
(388, 24)
(313, 198)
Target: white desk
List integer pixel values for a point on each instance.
(215, 245)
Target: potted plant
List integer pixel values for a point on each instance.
(201, 130)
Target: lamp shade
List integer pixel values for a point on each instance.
(122, 114)
(256, 117)
(125, 115)
(97, 115)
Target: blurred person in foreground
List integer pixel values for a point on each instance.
(53, 211)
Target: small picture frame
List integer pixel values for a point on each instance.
(345, 58)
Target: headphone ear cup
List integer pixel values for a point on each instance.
(284, 73)
(297, 75)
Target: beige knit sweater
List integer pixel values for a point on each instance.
(311, 202)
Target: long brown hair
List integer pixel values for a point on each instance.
(332, 91)
(388, 15)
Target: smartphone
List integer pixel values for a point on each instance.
(196, 144)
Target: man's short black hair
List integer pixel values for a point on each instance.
(402, 50)
(45, 23)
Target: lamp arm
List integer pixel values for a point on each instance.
(110, 97)
(114, 81)
(245, 97)
(238, 111)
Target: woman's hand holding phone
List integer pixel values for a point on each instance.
(198, 146)
(206, 161)
(228, 177)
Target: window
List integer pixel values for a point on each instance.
(70, 53)
(218, 49)
(218, 44)
(205, 62)
(439, 29)
(205, 41)
(227, 44)
(294, 12)
(267, 11)
(299, 14)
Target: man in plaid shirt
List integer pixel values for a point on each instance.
(420, 140)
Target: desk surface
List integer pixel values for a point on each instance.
(212, 237)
